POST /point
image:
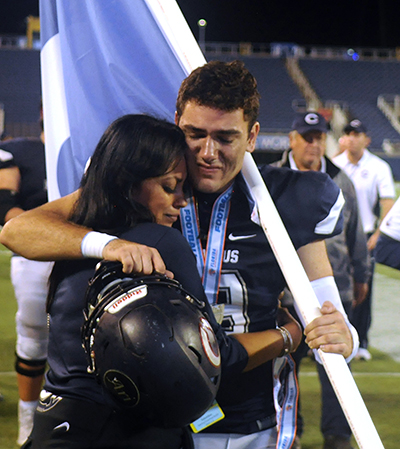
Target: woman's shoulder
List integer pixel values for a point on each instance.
(152, 234)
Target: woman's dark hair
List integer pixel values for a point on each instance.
(132, 149)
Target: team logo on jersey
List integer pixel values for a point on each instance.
(47, 401)
(231, 256)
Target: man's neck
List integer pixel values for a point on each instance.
(207, 198)
(354, 158)
(295, 164)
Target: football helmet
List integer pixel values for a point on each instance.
(150, 346)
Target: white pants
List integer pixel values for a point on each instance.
(266, 439)
(30, 281)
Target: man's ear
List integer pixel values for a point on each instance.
(292, 136)
(176, 118)
(251, 141)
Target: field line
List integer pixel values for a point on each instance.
(314, 374)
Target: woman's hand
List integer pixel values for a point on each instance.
(135, 258)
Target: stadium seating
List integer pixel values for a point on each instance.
(357, 84)
(277, 91)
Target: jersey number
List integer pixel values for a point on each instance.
(233, 293)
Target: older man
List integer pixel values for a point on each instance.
(347, 251)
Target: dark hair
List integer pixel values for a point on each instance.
(221, 85)
(133, 148)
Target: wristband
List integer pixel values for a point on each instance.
(325, 289)
(93, 244)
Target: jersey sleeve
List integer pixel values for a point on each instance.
(309, 203)
(391, 223)
(386, 184)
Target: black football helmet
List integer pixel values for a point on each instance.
(150, 346)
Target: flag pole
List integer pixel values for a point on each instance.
(175, 29)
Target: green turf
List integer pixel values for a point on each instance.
(381, 392)
(379, 383)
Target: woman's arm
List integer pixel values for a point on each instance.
(267, 345)
(239, 352)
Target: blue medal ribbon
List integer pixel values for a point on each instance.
(285, 398)
(209, 262)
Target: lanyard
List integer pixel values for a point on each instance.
(209, 262)
(286, 393)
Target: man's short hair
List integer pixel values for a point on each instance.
(227, 86)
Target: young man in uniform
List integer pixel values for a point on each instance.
(217, 109)
(23, 187)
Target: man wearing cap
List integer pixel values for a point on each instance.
(347, 254)
(373, 181)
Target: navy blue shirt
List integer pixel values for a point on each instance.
(251, 279)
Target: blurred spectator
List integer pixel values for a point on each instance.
(373, 181)
(23, 187)
(347, 254)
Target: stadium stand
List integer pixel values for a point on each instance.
(277, 91)
(354, 85)
(358, 85)
(20, 91)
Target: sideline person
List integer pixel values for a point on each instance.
(373, 180)
(347, 253)
(23, 187)
(217, 108)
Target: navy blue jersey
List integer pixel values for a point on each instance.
(251, 279)
(28, 155)
(67, 375)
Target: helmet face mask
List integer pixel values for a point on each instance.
(150, 346)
